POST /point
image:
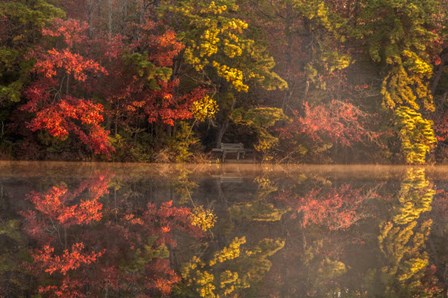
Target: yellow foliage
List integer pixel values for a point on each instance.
(203, 218)
(228, 280)
(228, 253)
(416, 134)
(217, 40)
(243, 267)
(402, 239)
(231, 75)
(205, 108)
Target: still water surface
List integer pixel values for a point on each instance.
(132, 230)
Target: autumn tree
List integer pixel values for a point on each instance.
(21, 23)
(222, 53)
(56, 98)
(401, 36)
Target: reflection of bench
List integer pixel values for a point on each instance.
(225, 148)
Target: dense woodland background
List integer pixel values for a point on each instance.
(156, 81)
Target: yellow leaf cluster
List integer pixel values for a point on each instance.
(203, 218)
(232, 251)
(232, 75)
(216, 41)
(403, 238)
(416, 134)
(205, 108)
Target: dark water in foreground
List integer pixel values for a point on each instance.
(98, 230)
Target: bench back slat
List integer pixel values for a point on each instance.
(232, 146)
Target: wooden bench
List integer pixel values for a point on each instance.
(225, 148)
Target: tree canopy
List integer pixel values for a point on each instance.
(296, 81)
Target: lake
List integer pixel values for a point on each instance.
(146, 230)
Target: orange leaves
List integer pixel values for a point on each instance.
(51, 98)
(339, 122)
(51, 120)
(69, 288)
(69, 207)
(68, 116)
(69, 260)
(162, 105)
(125, 248)
(163, 47)
(163, 277)
(54, 205)
(168, 46)
(335, 209)
(72, 31)
(71, 63)
(155, 95)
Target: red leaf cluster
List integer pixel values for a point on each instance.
(69, 260)
(72, 31)
(71, 63)
(339, 122)
(50, 98)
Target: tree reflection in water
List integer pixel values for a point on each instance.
(85, 250)
(237, 235)
(403, 239)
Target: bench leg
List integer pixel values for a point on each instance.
(237, 156)
(223, 156)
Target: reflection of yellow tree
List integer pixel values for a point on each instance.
(402, 239)
(183, 185)
(259, 209)
(239, 266)
(231, 269)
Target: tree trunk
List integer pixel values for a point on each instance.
(222, 130)
(109, 15)
(90, 17)
(225, 124)
(289, 41)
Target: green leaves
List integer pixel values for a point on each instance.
(260, 119)
(24, 19)
(146, 69)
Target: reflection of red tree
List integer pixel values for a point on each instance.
(85, 247)
(69, 260)
(335, 209)
(68, 288)
(53, 205)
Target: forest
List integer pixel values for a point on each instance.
(296, 81)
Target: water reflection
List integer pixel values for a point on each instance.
(403, 239)
(223, 232)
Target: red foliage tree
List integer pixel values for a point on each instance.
(55, 98)
(338, 122)
(147, 86)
